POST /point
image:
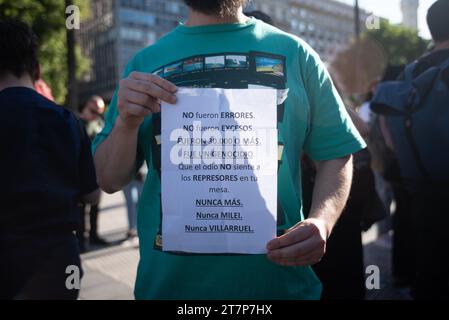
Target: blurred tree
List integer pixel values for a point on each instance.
(402, 45)
(358, 66)
(363, 62)
(47, 18)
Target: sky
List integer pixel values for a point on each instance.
(391, 10)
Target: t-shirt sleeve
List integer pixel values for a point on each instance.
(88, 178)
(331, 133)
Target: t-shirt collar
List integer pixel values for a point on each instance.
(216, 27)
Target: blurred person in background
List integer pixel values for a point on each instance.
(46, 170)
(91, 116)
(132, 194)
(364, 111)
(391, 188)
(417, 116)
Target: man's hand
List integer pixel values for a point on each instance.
(305, 243)
(302, 245)
(139, 95)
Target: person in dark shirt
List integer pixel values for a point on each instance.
(46, 170)
(91, 117)
(426, 222)
(432, 263)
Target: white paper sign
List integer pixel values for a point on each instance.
(219, 171)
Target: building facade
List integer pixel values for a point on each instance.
(328, 26)
(409, 10)
(119, 28)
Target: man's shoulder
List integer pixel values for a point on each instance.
(266, 30)
(56, 109)
(437, 56)
(432, 59)
(32, 100)
(269, 32)
(50, 111)
(295, 45)
(36, 111)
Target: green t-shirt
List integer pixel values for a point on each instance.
(312, 120)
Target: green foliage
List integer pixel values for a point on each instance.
(47, 18)
(402, 45)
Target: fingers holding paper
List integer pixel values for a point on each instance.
(302, 245)
(140, 95)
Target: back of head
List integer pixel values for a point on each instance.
(18, 49)
(216, 7)
(438, 20)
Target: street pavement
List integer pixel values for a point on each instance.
(109, 272)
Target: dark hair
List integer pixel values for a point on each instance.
(18, 48)
(260, 16)
(219, 7)
(438, 20)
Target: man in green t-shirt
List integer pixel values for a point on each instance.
(219, 47)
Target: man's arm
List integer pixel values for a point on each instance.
(138, 96)
(115, 158)
(305, 243)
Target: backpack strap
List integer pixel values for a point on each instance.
(408, 121)
(413, 145)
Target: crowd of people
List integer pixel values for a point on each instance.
(332, 185)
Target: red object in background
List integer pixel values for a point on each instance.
(43, 89)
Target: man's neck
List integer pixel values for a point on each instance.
(442, 45)
(10, 81)
(196, 18)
